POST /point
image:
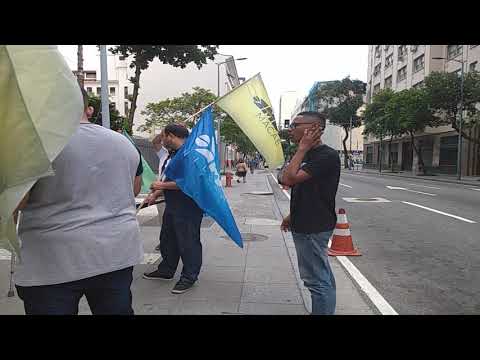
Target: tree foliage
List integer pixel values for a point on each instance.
(343, 98)
(176, 55)
(117, 122)
(444, 96)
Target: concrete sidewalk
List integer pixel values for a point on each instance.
(466, 180)
(261, 278)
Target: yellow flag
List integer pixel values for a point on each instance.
(250, 107)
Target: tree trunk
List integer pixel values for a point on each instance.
(419, 154)
(80, 75)
(136, 86)
(345, 154)
(391, 153)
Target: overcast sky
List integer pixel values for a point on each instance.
(283, 67)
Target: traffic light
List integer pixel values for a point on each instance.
(286, 123)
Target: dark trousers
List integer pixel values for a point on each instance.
(107, 294)
(180, 239)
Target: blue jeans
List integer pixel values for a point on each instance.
(315, 270)
(107, 294)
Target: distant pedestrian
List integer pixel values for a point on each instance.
(78, 228)
(313, 173)
(251, 164)
(180, 233)
(242, 171)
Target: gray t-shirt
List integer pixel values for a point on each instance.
(82, 221)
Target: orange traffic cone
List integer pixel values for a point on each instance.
(342, 244)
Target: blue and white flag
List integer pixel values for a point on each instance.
(196, 167)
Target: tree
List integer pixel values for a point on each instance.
(117, 122)
(412, 109)
(343, 98)
(175, 55)
(443, 92)
(379, 122)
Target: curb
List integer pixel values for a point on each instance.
(471, 183)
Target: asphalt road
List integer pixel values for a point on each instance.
(421, 261)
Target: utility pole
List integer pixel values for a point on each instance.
(104, 84)
(80, 75)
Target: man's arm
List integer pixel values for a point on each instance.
(164, 185)
(137, 185)
(292, 174)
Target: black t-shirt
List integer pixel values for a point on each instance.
(179, 204)
(312, 206)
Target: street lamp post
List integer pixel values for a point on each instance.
(218, 95)
(459, 144)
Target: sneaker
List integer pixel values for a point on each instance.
(157, 275)
(181, 286)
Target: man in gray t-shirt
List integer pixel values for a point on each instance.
(78, 229)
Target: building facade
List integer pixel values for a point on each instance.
(287, 103)
(400, 67)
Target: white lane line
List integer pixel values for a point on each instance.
(405, 189)
(475, 189)
(284, 191)
(348, 186)
(440, 212)
(380, 303)
(430, 187)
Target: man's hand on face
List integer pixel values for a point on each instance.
(312, 137)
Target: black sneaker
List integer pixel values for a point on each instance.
(181, 286)
(157, 275)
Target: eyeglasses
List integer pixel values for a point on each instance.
(294, 125)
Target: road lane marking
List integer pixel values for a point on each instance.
(365, 200)
(475, 189)
(430, 187)
(405, 189)
(380, 303)
(440, 212)
(348, 186)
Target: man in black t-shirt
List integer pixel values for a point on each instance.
(180, 233)
(313, 173)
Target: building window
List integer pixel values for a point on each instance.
(413, 48)
(91, 75)
(369, 157)
(388, 61)
(376, 89)
(114, 106)
(419, 63)
(473, 66)
(388, 82)
(402, 52)
(126, 108)
(376, 70)
(386, 47)
(112, 91)
(99, 90)
(89, 90)
(454, 50)
(402, 74)
(378, 52)
(125, 92)
(121, 58)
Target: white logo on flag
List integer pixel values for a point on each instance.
(203, 142)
